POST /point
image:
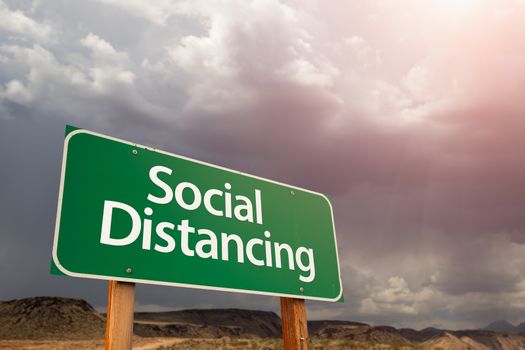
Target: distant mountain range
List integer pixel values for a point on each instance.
(62, 318)
(506, 327)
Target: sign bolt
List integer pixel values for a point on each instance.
(301, 289)
(128, 270)
(293, 193)
(135, 152)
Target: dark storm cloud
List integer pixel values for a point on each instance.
(30, 181)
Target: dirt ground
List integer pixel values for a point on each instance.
(138, 343)
(224, 343)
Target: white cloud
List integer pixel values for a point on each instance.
(17, 92)
(240, 56)
(362, 52)
(152, 308)
(156, 12)
(43, 70)
(110, 67)
(102, 50)
(106, 72)
(17, 22)
(479, 278)
(397, 292)
(398, 298)
(305, 72)
(51, 83)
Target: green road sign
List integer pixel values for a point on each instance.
(132, 213)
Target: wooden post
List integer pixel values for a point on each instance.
(119, 319)
(295, 327)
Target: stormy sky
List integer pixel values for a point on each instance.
(410, 115)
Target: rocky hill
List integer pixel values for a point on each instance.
(420, 336)
(451, 342)
(363, 335)
(358, 332)
(475, 340)
(209, 323)
(49, 318)
(63, 318)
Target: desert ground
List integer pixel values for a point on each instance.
(186, 344)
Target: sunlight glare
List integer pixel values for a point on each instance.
(455, 6)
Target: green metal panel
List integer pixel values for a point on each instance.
(103, 172)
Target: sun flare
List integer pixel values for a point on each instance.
(455, 6)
